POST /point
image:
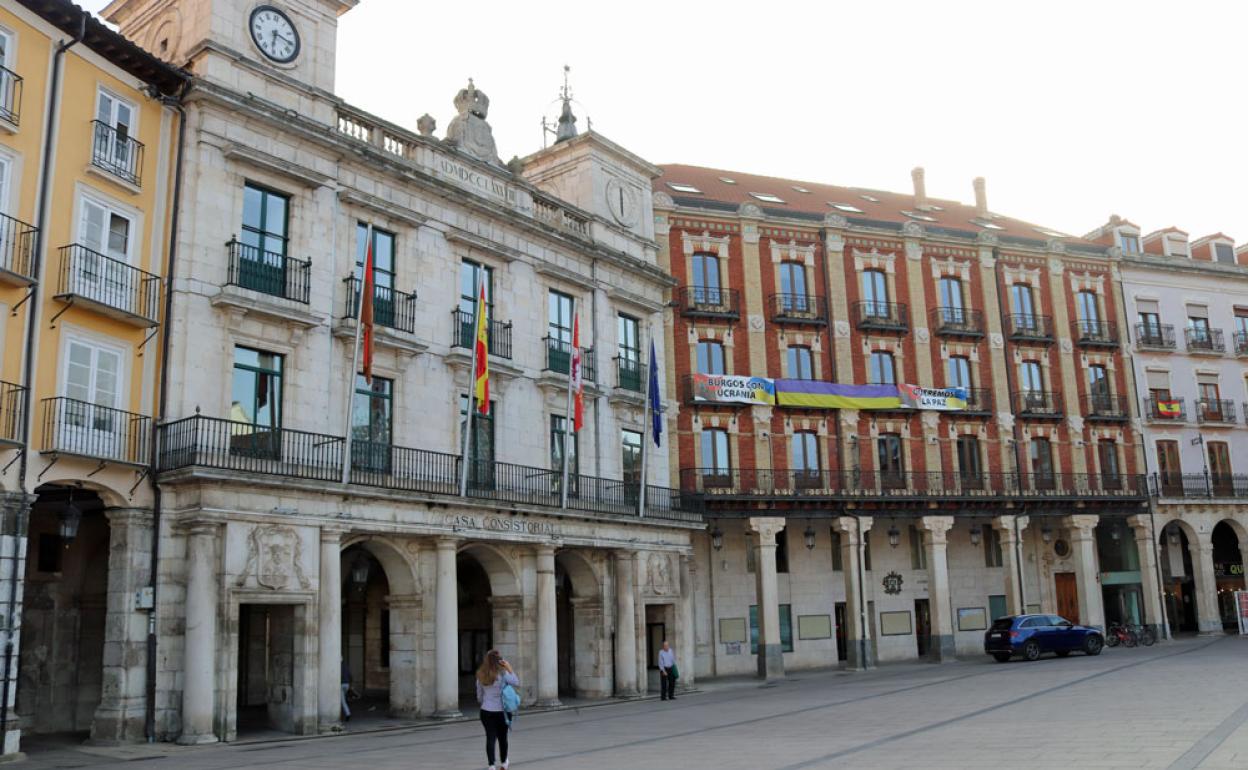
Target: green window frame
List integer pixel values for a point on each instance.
(786, 628)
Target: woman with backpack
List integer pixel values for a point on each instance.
(494, 674)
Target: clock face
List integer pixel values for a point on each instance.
(622, 202)
(274, 34)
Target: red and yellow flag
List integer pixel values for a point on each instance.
(366, 312)
(1169, 408)
(482, 374)
(574, 372)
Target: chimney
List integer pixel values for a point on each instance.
(920, 189)
(981, 198)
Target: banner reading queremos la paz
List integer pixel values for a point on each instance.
(938, 399)
(734, 389)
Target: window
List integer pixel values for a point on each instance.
(1032, 376)
(1130, 243)
(889, 459)
(469, 274)
(263, 241)
(1220, 468)
(630, 442)
(684, 188)
(558, 432)
(92, 379)
(715, 461)
(1224, 253)
(768, 197)
(256, 393)
(6, 169)
(1088, 309)
(710, 357)
(793, 292)
(1209, 392)
(801, 363)
(992, 548)
(846, 207)
(882, 371)
(113, 149)
(918, 557)
(951, 301)
(866, 551)
(804, 456)
(371, 420)
(837, 559)
(1150, 323)
(1098, 381)
(559, 316)
(1241, 316)
(1168, 466)
(383, 270)
(1024, 305)
(706, 280)
(1198, 323)
(1107, 457)
(628, 333)
(481, 460)
(786, 628)
(958, 369)
(1041, 454)
(969, 466)
(875, 293)
(782, 551)
(99, 270)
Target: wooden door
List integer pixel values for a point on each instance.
(1067, 596)
(1220, 467)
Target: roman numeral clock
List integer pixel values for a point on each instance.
(274, 34)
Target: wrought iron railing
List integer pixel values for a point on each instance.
(979, 400)
(798, 308)
(268, 272)
(392, 309)
(1096, 333)
(559, 358)
(887, 316)
(1215, 410)
(209, 442)
(1199, 485)
(1201, 340)
(1155, 337)
(630, 374)
(12, 412)
(1165, 409)
(1103, 406)
(118, 153)
(499, 333)
(1038, 403)
(10, 96)
(17, 246)
(709, 301)
(857, 484)
(1029, 326)
(957, 322)
(1241, 343)
(83, 429)
(89, 275)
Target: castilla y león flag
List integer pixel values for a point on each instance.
(482, 374)
(574, 372)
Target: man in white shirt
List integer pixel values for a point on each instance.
(667, 673)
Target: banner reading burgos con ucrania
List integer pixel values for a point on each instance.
(734, 389)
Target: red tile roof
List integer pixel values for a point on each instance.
(888, 206)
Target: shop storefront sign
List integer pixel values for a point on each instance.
(1224, 569)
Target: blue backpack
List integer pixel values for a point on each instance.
(511, 700)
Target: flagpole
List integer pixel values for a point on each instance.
(646, 438)
(472, 383)
(355, 359)
(567, 422)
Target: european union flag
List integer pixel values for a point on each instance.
(656, 413)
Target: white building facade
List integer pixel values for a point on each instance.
(275, 577)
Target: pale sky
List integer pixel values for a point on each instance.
(1071, 110)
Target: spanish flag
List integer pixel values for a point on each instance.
(1169, 408)
(575, 380)
(482, 374)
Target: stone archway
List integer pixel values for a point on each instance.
(585, 655)
(1181, 568)
(1229, 543)
(490, 610)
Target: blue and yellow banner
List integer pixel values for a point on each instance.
(813, 394)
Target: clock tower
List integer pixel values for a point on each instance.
(282, 50)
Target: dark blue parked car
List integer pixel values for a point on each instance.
(1033, 635)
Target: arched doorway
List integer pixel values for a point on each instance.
(585, 655)
(1179, 583)
(490, 610)
(366, 624)
(1228, 569)
(61, 660)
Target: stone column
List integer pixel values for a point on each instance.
(1087, 575)
(767, 596)
(1145, 547)
(14, 520)
(199, 674)
(404, 654)
(684, 654)
(446, 630)
(329, 611)
(547, 629)
(122, 712)
(936, 546)
(1208, 614)
(858, 656)
(625, 624)
(1011, 541)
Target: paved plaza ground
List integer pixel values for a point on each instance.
(1181, 704)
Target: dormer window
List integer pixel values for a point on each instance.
(801, 189)
(846, 207)
(1130, 243)
(768, 197)
(918, 216)
(1224, 252)
(684, 188)
(1174, 246)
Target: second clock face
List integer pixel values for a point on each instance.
(274, 34)
(622, 201)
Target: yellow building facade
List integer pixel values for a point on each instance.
(89, 132)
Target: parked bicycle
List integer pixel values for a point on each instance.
(1129, 635)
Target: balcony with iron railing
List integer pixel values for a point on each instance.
(1028, 327)
(559, 359)
(222, 445)
(630, 375)
(1165, 409)
(1199, 485)
(957, 322)
(10, 97)
(267, 272)
(17, 249)
(107, 285)
(1038, 404)
(81, 429)
(1094, 334)
(978, 401)
(115, 151)
(881, 316)
(1155, 337)
(709, 302)
(930, 486)
(1104, 407)
(798, 309)
(1215, 411)
(464, 335)
(391, 309)
(12, 413)
(1241, 343)
(1204, 341)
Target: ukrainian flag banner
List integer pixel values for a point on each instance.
(813, 394)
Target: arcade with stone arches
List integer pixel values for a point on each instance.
(1202, 552)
